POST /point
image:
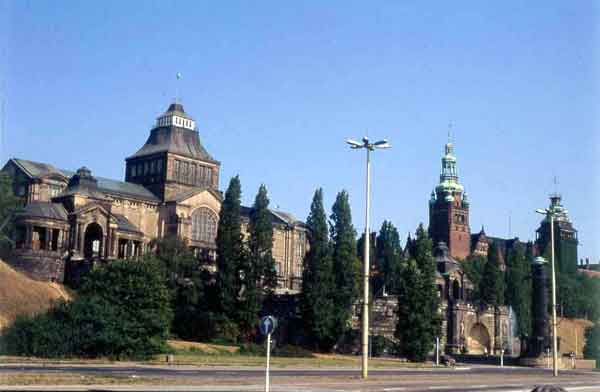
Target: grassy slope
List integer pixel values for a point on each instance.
(22, 295)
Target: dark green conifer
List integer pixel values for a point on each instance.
(388, 256)
(518, 288)
(492, 282)
(419, 321)
(346, 264)
(258, 277)
(229, 249)
(318, 289)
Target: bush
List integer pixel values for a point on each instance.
(592, 344)
(380, 346)
(122, 312)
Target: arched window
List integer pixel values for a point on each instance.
(456, 290)
(204, 225)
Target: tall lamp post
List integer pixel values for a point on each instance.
(549, 213)
(365, 311)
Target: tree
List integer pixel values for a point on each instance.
(518, 288)
(258, 274)
(318, 289)
(191, 292)
(229, 249)
(388, 255)
(121, 311)
(492, 282)
(592, 344)
(419, 320)
(346, 264)
(360, 252)
(474, 267)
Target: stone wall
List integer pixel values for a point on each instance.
(39, 265)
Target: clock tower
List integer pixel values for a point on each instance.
(449, 209)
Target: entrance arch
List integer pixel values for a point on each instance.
(479, 341)
(92, 242)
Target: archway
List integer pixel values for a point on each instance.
(478, 342)
(92, 243)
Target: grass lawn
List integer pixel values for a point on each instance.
(203, 354)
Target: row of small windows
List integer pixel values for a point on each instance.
(146, 167)
(191, 173)
(166, 121)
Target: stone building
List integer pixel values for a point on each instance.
(171, 188)
(466, 328)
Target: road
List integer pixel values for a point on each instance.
(189, 378)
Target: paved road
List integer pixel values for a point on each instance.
(188, 378)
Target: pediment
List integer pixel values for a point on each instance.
(94, 210)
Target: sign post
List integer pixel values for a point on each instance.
(267, 326)
(437, 351)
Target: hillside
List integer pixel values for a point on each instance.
(22, 295)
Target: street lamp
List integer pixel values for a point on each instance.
(549, 213)
(365, 312)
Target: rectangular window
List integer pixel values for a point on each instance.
(193, 174)
(152, 167)
(176, 170)
(159, 166)
(146, 167)
(132, 173)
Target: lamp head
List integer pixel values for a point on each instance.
(542, 211)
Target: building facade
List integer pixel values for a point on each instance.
(171, 188)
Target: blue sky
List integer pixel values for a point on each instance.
(276, 87)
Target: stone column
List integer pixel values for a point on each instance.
(48, 238)
(28, 236)
(80, 238)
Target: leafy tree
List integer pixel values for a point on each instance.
(259, 278)
(122, 311)
(318, 289)
(229, 249)
(518, 288)
(141, 300)
(592, 344)
(345, 262)
(492, 281)
(388, 255)
(419, 320)
(189, 287)
(474, 267)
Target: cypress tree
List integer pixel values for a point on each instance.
(346, 264)
(318, 288)
(419, 321)
(518, 288)
(258, 275)
(492, 282)
(388, 255)
(229, 249)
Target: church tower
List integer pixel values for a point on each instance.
(173, 161)
(449, 209)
